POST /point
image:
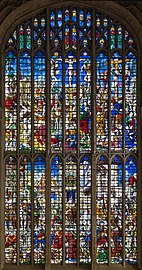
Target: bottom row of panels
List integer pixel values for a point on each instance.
(71, 207)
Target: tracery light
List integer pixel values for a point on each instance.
(70, 110)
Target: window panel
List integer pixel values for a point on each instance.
(56, 238)
(85, 102)
(71, 102)
(119, 36)
(116, 102)
(11, 211)
(56, 103)
(39, 210)
(102, 31)
(71, 97)
(131, 211)
(85, 211)
(102, 101)
(28, 36)
(39, 33)
(102, 210)
(85, 33)
(25, 102)
(25, 210)
(112, 37)
(39, 103)
(21, 37)
(10, 101)
(71, 211)
(116, 210)
(56, 21)
(130, 102)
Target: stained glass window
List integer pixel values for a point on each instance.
(71, 140)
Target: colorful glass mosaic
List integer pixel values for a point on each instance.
(39, 102)
(71, 102)
(25, 102)
(10, 211)
(130, 102)
(85, 102)
(56, 103)
(102, 101)
(39, 210)
(116, 210)
(25, 210)
(10, 101)
(85, 213)
(71, 136)
(131, 211)
(116, 102)
(71, 211)
(102, 210)
(56, 236)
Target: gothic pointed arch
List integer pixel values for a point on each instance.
(70, 136)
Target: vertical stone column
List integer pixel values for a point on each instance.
(2, 238)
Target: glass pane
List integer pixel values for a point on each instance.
(10, 102)
(39, 103)
(85, 211)
(28, 37)
(85, 102)
(102, 210)
(112, 37)
(25, 102)
(56, 237)
(57, 92)
(116, 210)
(116, 102)
(39, 210)
(25, 211)
(11, 211)
(56, 102)
(21, 37)
(71, 102)
(131, 211)
(71, 211)
(102, 101)
(119, 37)
(130, 102)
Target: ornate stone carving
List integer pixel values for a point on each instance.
(1, 113)
(7, 6)
(126, 3)
(16, 3)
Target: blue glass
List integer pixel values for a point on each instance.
(52, 19)
(56, 236)
(131, 211)
(39, 210)
(59, 18)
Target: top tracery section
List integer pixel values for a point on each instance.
(71, 28)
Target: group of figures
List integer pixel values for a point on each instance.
(63, 104)
(118, 199)
(70, 212)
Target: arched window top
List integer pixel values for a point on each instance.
(71, 121)
(109, 33)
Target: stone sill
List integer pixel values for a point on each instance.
(70, 267)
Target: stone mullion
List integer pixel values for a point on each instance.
(123, 149)
(48, 165)
(139, 164)
(2, 191)
(93, 146)
(32, 146)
